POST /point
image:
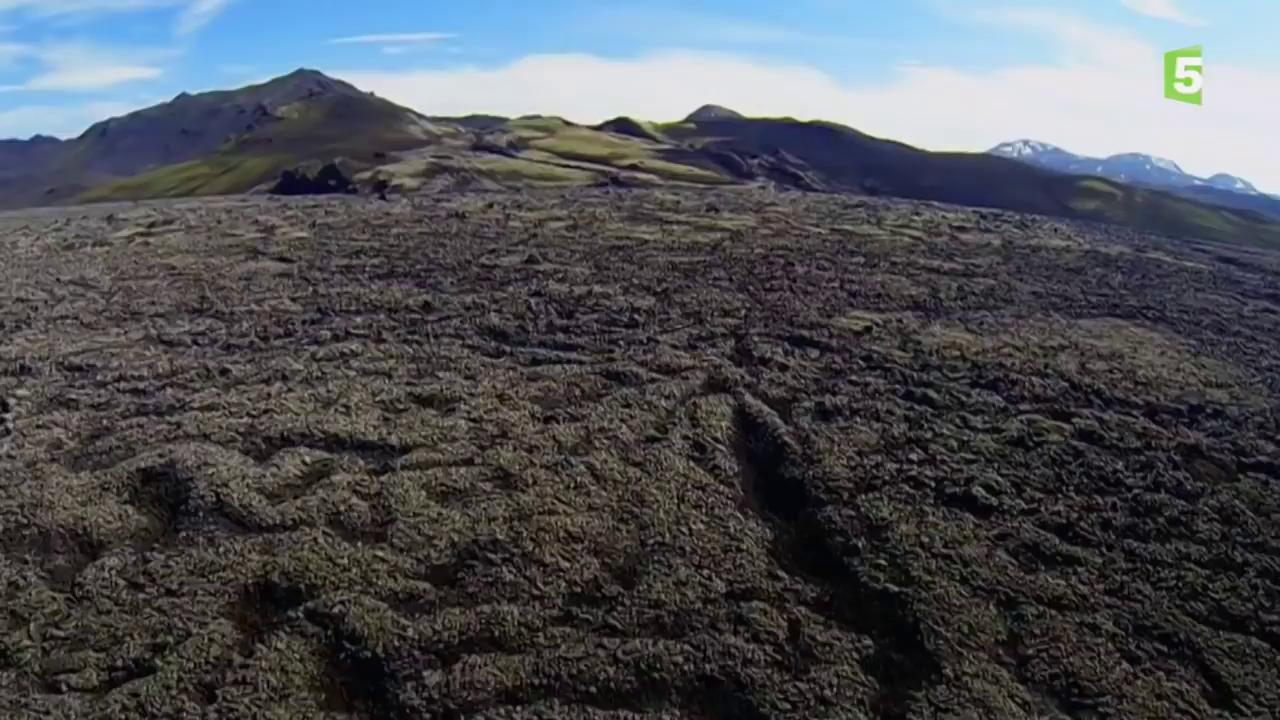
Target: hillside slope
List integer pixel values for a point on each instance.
(815, 156)
(215, 142)
(236, 141)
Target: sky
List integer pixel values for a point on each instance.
(1086, 75)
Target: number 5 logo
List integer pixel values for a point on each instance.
(1184, 75)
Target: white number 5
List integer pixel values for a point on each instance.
(1188, 74)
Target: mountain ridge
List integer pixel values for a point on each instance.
(212, 142)
(1145, 170)
(242, 140)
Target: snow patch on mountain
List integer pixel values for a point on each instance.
(1233, 183)
(1025, 149)
(1126, 167)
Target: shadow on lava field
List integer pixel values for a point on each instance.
(621, 454)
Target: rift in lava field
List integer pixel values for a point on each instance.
(722, 454)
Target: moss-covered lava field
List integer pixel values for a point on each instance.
(705, 454)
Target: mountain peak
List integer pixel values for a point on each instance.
(300, 85)
(305, 74)
(1232, 183)
(1144, 170)
(1026, 149)
(711, 113)
(304, 78)
(1148, 161)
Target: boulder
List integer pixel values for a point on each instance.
(329, 179)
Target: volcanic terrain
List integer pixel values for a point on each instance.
(660, 453)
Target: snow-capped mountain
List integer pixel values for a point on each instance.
(1126, 167)
(1034, 150)
(1231, 182)
(1147, 170)
(1144, 170)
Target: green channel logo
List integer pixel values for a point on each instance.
(1184, 75)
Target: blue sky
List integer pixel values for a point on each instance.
(944, 74)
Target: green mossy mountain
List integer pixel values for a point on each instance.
(241, 140)
(216, 142)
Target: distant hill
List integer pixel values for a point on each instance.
(1223, 181)
(814, 156)
(1146, 171)
(216, 142)
(243, 140)
(713, 112)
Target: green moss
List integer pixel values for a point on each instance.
(538, 123)
(617, 152)
(678, 172)
(593, 146)
(215, 175)
(506, 169)
(1101, 186)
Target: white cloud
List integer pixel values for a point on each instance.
(1163, 10)
(76, 7)
(91, 78)
(198, 14)
(1076, 40)
(12, 51)
(1104, 96)
(685, 23)
(193, 15)
(77, 67)
(58, 120)
(396, 39)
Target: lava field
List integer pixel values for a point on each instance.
(602, 453)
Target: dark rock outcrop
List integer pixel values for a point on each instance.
(329, 179)
(779, 167)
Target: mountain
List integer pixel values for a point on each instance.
(1042, 152)
(215, 142)
(708, 113)
(1223, 181)
(845, 160)
(308, 124)
(1126, 167)
(16, 156)
(814, 156)
(1147, 171)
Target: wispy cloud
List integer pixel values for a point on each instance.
(682, 25)
(398, 39)
(49, 8)
(78, 66)
(70, 67)
(1101, 95)
(1163, 10)
(193, 14)
(59, 120)
(1078, 41)
(90, 78)
(198, 14)
(10, 51)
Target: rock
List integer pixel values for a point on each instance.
(329, 179)
(615, 180)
